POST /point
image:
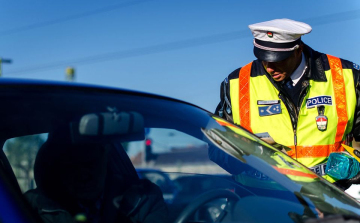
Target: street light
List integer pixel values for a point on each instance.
(70, 74)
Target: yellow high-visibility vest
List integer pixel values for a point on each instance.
(309, 145)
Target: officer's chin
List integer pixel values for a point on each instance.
(279, 77)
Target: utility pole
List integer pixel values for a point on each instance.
(70, 74)
(2, 60)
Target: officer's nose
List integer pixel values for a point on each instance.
(270, 67)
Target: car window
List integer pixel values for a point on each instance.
(172, 151)
(21, 153)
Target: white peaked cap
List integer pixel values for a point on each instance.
(284, 30)
(276, 40)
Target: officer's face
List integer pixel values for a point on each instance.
(283, 69)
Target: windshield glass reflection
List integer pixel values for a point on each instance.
(256, 166)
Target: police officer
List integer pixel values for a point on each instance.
(295, 96)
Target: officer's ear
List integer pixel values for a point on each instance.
(297, 55)
(299, 50)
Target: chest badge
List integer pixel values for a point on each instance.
(270, 110)
(321, 119)
(319, 100)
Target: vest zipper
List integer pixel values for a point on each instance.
(294, 125)
(303, 92)
(295, 143)
(305, 86)
(292, 109)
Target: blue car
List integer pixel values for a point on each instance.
(81, 153)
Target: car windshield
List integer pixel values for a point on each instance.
(203, 168)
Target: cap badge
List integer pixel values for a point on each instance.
(270, 34)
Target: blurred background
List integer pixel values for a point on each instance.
(182, 49)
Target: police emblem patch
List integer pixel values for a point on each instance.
(321, 122)
(356, 66)
(321, 119)
(319, 100)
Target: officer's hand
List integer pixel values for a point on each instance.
(356, 179)
(346, 183)
(355, 144)
(343, 184)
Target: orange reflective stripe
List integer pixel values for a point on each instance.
(314, 151)
(295, 173)
(224, 123)
(292, 152)
(244, 96)
(340, 96)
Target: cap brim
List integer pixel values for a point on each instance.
(271, 56)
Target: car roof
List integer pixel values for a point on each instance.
(29, 102)
(63, 85)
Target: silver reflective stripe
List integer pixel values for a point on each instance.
(275, 49)
(319, 169)
(226, 99)
(269, 102)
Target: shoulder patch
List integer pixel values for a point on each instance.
(356, 66)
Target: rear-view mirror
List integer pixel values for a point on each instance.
(109, 125)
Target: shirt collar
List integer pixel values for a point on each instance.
(299, 72)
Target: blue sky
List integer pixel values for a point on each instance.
(182, 49)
